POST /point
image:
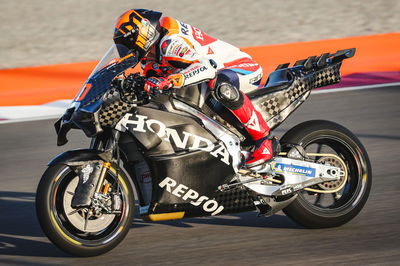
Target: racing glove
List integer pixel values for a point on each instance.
(155, 85)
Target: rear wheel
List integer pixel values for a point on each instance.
(85, 231)
(313, 209)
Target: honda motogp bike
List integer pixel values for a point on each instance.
(184, 159)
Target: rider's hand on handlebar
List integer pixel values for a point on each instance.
(155, 85)
(133, 82)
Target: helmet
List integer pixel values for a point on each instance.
(136, 32)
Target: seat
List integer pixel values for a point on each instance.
(277, 80)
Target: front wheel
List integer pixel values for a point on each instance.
(322, 210)
(82, 232)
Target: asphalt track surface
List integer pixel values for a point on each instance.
(372, 238)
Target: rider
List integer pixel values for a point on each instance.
(174, 54)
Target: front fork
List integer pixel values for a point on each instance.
(91, 186)
(99, 187)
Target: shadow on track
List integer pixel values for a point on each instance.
(19, 227)
(20, 232)
(246, 219)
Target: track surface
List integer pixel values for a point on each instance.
(373, 237)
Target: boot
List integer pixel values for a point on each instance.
(258, 130)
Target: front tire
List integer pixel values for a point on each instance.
(67, 228)
(319, 210)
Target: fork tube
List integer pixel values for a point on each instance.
(106, 165)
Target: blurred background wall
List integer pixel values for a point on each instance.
(39, 32)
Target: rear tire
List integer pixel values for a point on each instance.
(64, 229)
(317, 210)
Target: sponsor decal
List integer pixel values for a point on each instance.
(297, 187)
(182, 52)
(245, 66)
(172, 48)
(253, 122)
(210, 51)
(244, 63)
(266, 151)
(198, 34)
(141, 123)
(194, 71)
(184, 28)
(186, 193)
(294, 169)
(177, 80)
(87, 170)
(255, 79)
(202, 38)
(175, 48)
(286, 191)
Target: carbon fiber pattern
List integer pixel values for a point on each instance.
(275, 107)
(234, 201)
(237, 200)
(115, 109)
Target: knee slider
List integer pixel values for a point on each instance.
(230, 96)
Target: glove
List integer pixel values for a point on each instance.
(156, 85)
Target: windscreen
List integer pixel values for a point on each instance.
(99, 80)
(111, 56)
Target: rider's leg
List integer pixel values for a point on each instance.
(227, 92)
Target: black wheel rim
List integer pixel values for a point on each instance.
(58, 209)
(350, 195)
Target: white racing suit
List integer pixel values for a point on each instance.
(187, 55)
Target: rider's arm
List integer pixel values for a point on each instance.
(192, 68)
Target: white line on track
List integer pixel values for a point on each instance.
(38, 118)
(29, 119)
(356, 88)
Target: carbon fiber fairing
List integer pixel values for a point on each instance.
(277, 105)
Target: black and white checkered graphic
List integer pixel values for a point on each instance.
(327, 76)
(111, 96)
(276, 106)
(271, 106)
(298, 88)
(112, 113)
(114, 108)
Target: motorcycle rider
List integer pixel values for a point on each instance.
(174, 54)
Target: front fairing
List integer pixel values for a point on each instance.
(83, 111)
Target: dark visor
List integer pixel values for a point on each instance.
(122, 46)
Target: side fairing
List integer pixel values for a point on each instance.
(292, 88)
(187, 162)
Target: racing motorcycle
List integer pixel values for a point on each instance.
(181, 154)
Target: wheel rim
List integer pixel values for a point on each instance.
(99, 230)
(349, 196)
(77, 217)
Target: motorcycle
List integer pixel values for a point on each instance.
(182, 154)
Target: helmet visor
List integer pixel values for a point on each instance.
(124, 46)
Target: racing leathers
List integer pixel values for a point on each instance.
(186, 55)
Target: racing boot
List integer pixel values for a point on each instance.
(258, 130)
